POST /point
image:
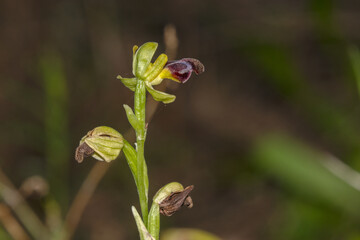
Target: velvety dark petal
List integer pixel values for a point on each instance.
(181, 70)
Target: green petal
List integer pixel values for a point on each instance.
(135, 48)
(158, 95)
(156, 68)
(142, 58)
(128, 82)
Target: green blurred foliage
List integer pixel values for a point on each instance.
(56, 124)
(189, 234)
(4, 235)
(301, 170)
(354, 56)
(321, 200)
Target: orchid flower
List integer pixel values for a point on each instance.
(154, 73)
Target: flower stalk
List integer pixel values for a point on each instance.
(142, 176)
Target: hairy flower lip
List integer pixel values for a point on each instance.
(181, 70)
(197, 66)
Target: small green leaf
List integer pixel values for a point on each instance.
(154, 221)
(160, 96)
(132, 118)
(143, 232)
(128, 82)
(142, 58)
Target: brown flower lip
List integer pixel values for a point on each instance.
(175, 201)
(83, 151)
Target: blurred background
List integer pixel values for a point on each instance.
(269, 134)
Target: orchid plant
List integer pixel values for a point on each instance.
(105, 144)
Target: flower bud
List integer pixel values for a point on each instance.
(102, 143)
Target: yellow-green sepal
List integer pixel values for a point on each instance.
(143, 232)
(158, 95)
(106, 149)
(142, 59)
(128, 82)
(166, 191)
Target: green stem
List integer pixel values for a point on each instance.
(142, 178)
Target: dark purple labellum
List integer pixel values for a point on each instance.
(182, 69)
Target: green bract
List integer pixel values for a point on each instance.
(105, 142)
(144, 234)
